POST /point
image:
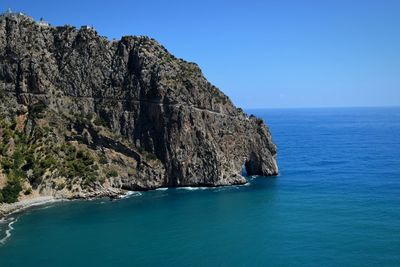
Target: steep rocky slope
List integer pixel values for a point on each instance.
(82, 115)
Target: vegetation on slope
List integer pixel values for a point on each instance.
(42, 150)
(31, 158)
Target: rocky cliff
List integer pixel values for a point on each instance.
(82, 115)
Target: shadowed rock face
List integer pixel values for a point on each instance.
(160, 104)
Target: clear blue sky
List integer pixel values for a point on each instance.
(281, 53)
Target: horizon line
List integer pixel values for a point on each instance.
(321, 107)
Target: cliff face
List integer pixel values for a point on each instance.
(153, 116)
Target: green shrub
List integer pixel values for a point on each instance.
(37, 174)
(112, 173)
(1, 197)
(89, 178)
(100, 122)
(20, 138)
(18, 158)
(36, 110)
(29, 159)
(48, 162)
(3, 148)
(13, 124)
(7, 134)
(16, 174)
(103, 160)
(11, 191)
(60, 186)
(79, 166)
(7, 164)
(69, 151)
(101, 179)
(86, 158)
(28, 191)
(259, 121)
(151, 156)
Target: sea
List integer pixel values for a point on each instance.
(336, 202)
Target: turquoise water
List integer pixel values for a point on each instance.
(336, 203)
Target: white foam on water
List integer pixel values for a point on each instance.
(191, 188)
(162, 189)
(44, 202)
(8, 231)
(131, 194)
(46, 207)
(216, 189)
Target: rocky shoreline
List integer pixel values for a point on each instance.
(6, 209)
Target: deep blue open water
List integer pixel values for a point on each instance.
(335, 203)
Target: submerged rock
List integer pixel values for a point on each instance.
(152, 117)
